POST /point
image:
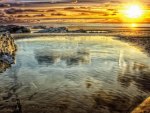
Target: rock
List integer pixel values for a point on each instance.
(79, 31)
(39, 27)
(60, 30)
(54, 30)
(7, 58)
(14, 29)
(143, 108)
(7, 51)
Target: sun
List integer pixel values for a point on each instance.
(134, 11)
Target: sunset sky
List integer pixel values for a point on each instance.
(81, 11)
(82, 0)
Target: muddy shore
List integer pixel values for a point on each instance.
(139, 39)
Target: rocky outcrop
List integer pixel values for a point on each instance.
(54, 30)
(14, 29)
(7, 51)
(78, 31)
(144, 107)
(60, 30)
(39, 27)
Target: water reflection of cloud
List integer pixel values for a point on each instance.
(70, 57)
(47, 57)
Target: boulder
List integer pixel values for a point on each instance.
(14, 29)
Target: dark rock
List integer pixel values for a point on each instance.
(14, 29)
(54, 30)
(39, 27)
(7, 58)
(60, 30)
(79, 31)
(4, 5)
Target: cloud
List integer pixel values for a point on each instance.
(57, 14)
(16, 10)
(77, 1)
(39, 15)
(55, 1)
(52, 1)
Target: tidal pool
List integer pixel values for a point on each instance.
(75, 74)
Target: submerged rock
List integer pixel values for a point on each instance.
(7, 51)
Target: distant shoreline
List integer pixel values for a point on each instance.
(138, 39)
(119, 34)
(32, 35)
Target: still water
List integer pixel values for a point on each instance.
(78, 74)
